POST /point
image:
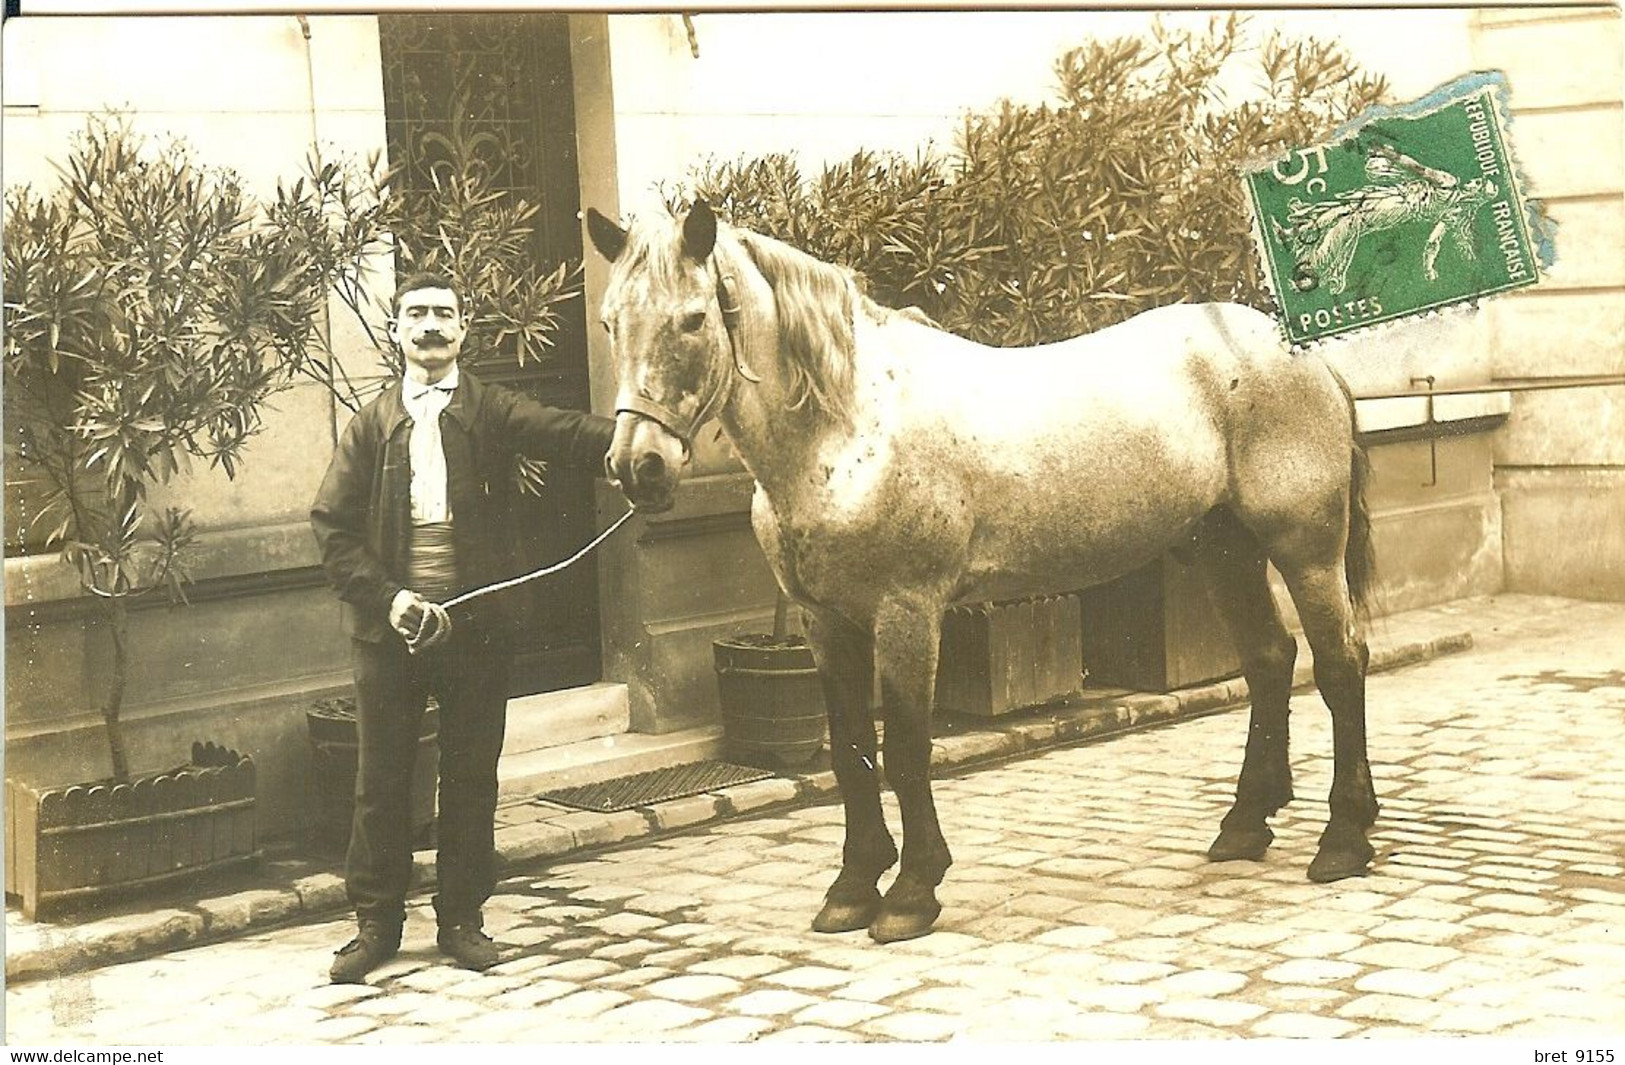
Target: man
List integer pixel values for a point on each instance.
(408, 516)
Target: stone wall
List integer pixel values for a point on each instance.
(1560, 461)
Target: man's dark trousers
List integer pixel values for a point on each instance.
(468, 674)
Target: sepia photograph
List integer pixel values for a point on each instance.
(1094, 528)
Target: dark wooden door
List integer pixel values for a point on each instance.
(504, 81)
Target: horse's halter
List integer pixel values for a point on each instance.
(684, 429)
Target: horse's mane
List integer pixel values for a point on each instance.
(817, 304)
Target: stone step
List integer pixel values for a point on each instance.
(562, 718)
(522, 776)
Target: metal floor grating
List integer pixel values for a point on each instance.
(658, 785)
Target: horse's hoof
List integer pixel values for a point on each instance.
(1330, 865)
(1241, 845)
(893, 927)
(846, 916)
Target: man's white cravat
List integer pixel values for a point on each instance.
(425, 403)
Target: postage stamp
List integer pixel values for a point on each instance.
(1404, 211)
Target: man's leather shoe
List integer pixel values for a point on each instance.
(373, 945)
(468, 946)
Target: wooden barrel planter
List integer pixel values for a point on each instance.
(334, 756)
(772, 703)
(68, 846)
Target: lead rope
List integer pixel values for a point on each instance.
(435, 624)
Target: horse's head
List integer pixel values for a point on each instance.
(663, 307)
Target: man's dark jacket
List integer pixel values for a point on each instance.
(362, 514)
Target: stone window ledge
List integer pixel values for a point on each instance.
(226, 563)
(1390, 419)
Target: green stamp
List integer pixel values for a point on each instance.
(1405, 211)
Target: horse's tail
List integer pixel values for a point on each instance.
(1360, 556)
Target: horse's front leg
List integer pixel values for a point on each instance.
(845, 655)
(906, 644)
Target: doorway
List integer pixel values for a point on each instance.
(506, 79)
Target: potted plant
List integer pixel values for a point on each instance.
(335, 750)
(149, 315)
(773, 714)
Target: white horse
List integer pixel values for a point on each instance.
(899, 468)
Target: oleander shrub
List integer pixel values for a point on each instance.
(1048, 220)
(151, 313)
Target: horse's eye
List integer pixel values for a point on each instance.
(605, 323)
(693, 323)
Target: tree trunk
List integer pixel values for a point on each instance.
(781, 617)
(118, 624)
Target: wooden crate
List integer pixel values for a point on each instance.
(1001, 657)
(66, 846)
(1155, 629)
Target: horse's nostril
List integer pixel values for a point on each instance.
(649, 467)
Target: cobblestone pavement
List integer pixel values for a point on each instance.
(1079, 906)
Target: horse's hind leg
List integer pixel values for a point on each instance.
(1321, 593)
(845, 655)
(906, 635)
(1234, 565)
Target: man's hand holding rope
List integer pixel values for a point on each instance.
(422, 624)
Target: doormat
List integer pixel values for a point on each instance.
(658, 785)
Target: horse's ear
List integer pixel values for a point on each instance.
(607, 237)
(700, 231)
